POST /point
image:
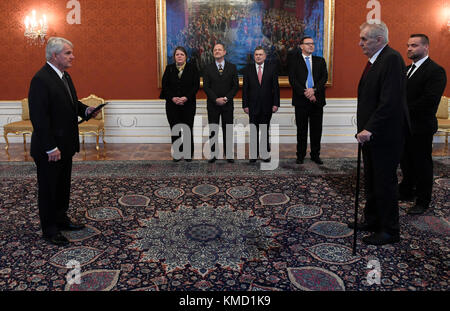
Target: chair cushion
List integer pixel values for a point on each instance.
(18, 126)
(442, 112)
(91, 126)
(443, 124)
(25, 110)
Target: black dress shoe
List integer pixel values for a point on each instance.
(299, 161)
(70, 226)
(317, 160)
(252, 161)
(230, 160)
(266, 160)
(176, 160)
(381, 238)
(57, 239)
(212, 160)
(405, 197)
(188, 160)
(363, 226)
(417, 209)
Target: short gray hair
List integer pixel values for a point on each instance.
(376, 29)
(55, 45)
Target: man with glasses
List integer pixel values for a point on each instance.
(307, 76)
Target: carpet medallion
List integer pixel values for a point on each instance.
(165, 226)
(202, 237)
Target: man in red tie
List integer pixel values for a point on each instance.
(382, 122)
(260, 98)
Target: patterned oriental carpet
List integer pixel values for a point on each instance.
(165, 226)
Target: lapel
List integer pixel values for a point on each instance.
(59, 83)
(374, 66)
(56, 79)
(315, 67)
(419, 70)
(225, 68)
(71, 97)
(304, 69)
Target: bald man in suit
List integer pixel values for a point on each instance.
(426, 83)
(220, 83)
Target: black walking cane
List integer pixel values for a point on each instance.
(358, 169)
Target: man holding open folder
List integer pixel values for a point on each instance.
(54, 110)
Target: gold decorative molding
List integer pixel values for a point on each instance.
(328, 41)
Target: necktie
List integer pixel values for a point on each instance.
(259, 74)
(366, 69)
(220, 69)
(411, 71)
(66, 83)
(309, 81)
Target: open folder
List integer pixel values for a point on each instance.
(89, 116)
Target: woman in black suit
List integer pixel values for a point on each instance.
(180, 84)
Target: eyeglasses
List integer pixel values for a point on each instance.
(312, 43)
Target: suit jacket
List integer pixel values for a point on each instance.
(424, 90)
(53, 115)
(382, 108)
(216, 85)
(260, 98)
(187, 85)
(298, 74)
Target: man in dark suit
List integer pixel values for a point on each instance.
(260, 98)
(220, 83)
(382, 125)
(426, 82)
(54, 110)
(307, 76)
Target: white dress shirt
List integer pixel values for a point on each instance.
(221, 63)
(375, 56)
(417, 64)
(257, 67)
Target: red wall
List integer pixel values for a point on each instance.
(115, 45)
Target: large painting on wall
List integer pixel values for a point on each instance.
(277, 25)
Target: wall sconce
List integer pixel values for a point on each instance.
(35, 31)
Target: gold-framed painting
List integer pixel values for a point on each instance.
(277, 25)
